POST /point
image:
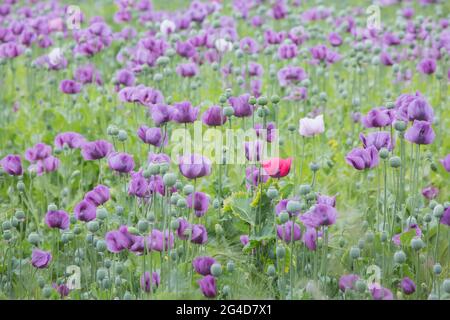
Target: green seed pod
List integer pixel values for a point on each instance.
(230, 266)
(142, 226)
(101, 245)
(438, 211)
(118, 281)
(272, 192)
(355, 253)
(181, 203)
(133, 231)
(383, 236)
(293, 206)
(102, 213)
(119, 210)
(101, 274)
(119, 268)
(216, 270)
(188, 189)
(446, 285)
(153, 169)
(128, 296)
(228, 111)
(400, 126)
(437, 269)
(34, 238)
(226, 290)
(311, 196)
(370, 236)
(262, 101)
(47, 291)
(216, 203)
(361, 286)
(52, 207)
(281, 252)
(6, 225)
(417, 244)
(93, 226)
(314, 166)
(107, 263)
(20, 186)
(384, 153)
(275, 99)
(342, 242)
(122, 135)
(252, 100)
(291, 127)
(77, 230)
(271, 271)
(305, 189)
(284, 217)
(395, 162)
(169, 179)
(14, 222)
(361, 244)
(41, 282)
(106, 283)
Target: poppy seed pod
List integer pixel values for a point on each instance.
(284, 217)
(230, 266)
(52, 207)
(142, 226)
(417, 244)
(188, 189)
(281, 252)
(169, 179)
(122, 135)
(293, 206)
(228, 111)
(395, 162)
(355, 252)
(437, 269)
(272, 192)
(93, 226)
(360, 285)
(34, 238)
(384, 153)
(216, 270)
(438, 211)
(446, 285)
(271, 271)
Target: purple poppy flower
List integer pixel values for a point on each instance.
(98, 196)
(12, 165)
(187, 70)
(88, 74)
(183, 112)
(362, 159)
(156, 185)
(49, 164)
(427, 66)
(378, 139)
(57, 219)
(419, 109)
(202, 265)
(200, 204)
(319, 215)
(158, 158)
(183, 226)
(96, 150)
(328, 200)
(445, 219)
(214, 116)
(408, 286)
(446, 162)
(125, 77)
(11, 50)
(145, 281)
(420, 132)
(39, 152)
(244, 239)
(268, 134)
(72, 140)
(62, 289)
(161, 113)
(138, 185)
(70, 87)
(249, 45)
(380, 293)
(160, 241)
(194, 166)
(347, 282)
(287, 51)
(378, 117)
(321, 53)
(186, 49)
(121, 162)
(241, 106)
(335, 39)
(253, 176)
(153, 136)
(430, 192)
(310, 239)
(199, 234)
(253, 150)
(40, 259)
(284, 232)
(208, 286)
(386, 59)
(291, 75)
(118, 240)
(85, 211)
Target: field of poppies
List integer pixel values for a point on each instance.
(234, 149)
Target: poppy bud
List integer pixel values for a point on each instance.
(252, 100)
(228, 111)
(101, 245)
(226, 290)
(93, 226)
(311, 196)
(384, 153)
(260, 112)
(52, 207)
(383, 236)
(122, 135)
(370, 236)
(230, 266)
(119, 268)
(20, 215)
(142, 226)
(222, 99)
(262, 101)
(7, 235)
(284, 217)
(400, 126)
(133, 231)
(355, 253)
(395, 162)
(6, 225)
(417, 243)
(20, 186)
(34, 238)
(314, 166)
(272, 192)
(293, 206)
(438, 211)
(188, 189)
(216, 270)
(271, 271)
(102, 213)
(169, 179)
(281, 252)
(101, 274)
(437, 269)
(291, 127)
(181, 203)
